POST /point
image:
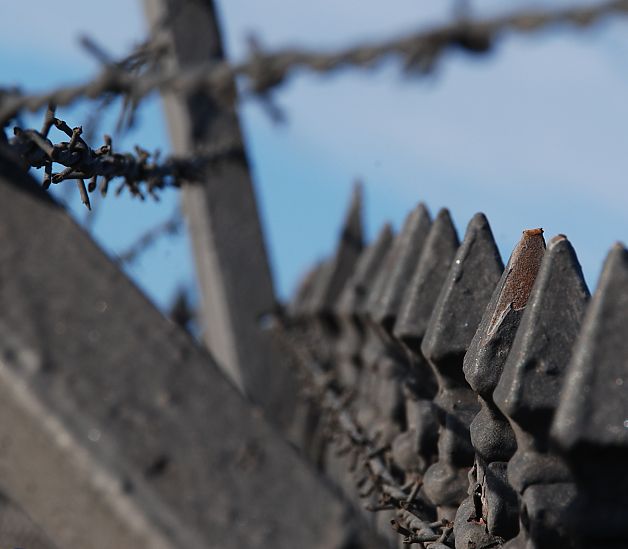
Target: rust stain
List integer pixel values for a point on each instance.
(523, 268)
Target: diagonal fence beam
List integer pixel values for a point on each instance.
(117, 429)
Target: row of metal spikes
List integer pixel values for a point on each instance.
(474, 405)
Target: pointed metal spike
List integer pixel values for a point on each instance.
(419, 382)
(351, 303)
(594, 402)
(492, 341)
(355, 292)
(427, 280)
(298, 305)
(527, 389)
(340, 268)
(379, 283)
(408, 247)
(464, 294)
(534, 371)
(352, 227)
(591, 422)
(467, 290)
(491, 435)
(312, 305)
(379, 391)
(489, 348)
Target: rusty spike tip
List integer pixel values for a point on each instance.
(407, 250)
(521, 272)
(545, 336)
(489, 348)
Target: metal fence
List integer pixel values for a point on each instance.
(470, 405)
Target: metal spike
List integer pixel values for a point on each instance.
(420, 297)
(464, 294)
(503, 314)
(355, 293)
(468, 287)
(419, 439)
(407, 252)
(351, 304)
(298, 305)
(491, 435)
(591, 422)
(341, 267)
(526, 392)
(351, 311)
(383, 364)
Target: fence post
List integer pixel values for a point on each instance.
(234, 276)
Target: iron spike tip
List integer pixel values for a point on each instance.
(489, 348)
(593, 406)
(352, 226)
(407, 250)
(378, 273)
(465, 293)
(341, 266)
(430, 273)
(356, 290)
(558, 238)
(298, 304)
(534, 370)
(520, 274)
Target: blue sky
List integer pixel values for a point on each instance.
(534, 135)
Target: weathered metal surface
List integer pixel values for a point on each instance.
(408, 251)
(382, 359)
(498, 349)
(457, 312)
(494, 502)
(430, 273)
(526, 394)
(420, 384)
(117, 429)
(591, 422)
(331, 277)
(351, 303)
(385, 362)
(391, 366)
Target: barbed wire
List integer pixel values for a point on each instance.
(141, 171)
(419, 51)
(379, 478)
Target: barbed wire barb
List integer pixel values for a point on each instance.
(141, 171)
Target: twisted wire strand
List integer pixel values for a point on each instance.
(419, 51)
(141, 171)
